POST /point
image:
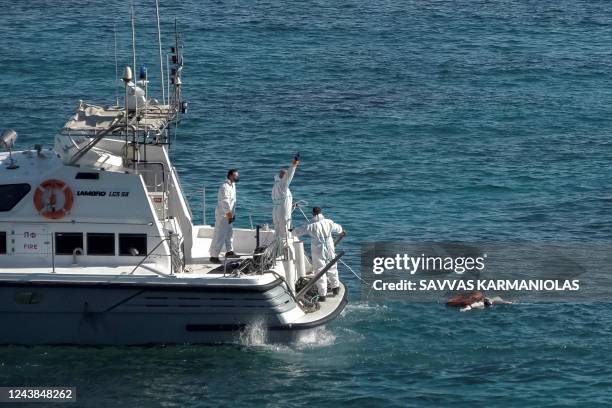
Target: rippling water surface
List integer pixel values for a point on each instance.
(416, 120)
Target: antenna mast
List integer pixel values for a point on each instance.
(133, 38)
(116, 68)
(161, 60)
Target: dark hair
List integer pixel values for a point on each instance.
(316, 210)
(230, 172)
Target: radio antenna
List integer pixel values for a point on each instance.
(116, 68)
(133, 38)
(161, 60)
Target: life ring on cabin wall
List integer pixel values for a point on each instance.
(46, 202)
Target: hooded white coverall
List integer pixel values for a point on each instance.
(323, 249)
(223, 234)
(282, 200)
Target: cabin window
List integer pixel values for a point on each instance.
(100, 244)
(2, 242)
(67, 242)
(87, 176)
(133, 244)
(11, 194)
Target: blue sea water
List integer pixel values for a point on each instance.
(416, 120)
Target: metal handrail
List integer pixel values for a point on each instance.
(139, 264)
(95, 140)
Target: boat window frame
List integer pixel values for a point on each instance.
(133, 235)
(61, 234)
(108, 234)
(3, 243)
(9, 205)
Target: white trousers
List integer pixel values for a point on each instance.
(280, 228)
(224, 234)
(332, 276)
(282, 222)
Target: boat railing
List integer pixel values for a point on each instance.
(157, 272)
(154, 176)
(178, 208)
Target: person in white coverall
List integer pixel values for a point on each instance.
(224, 216)
(282, 199)
(321, 231)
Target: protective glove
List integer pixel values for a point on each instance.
(296, 159)
(230, 217)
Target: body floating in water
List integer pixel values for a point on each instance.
(474, 300)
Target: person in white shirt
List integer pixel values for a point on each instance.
(321, 231)
(224, 216)
(282, 199)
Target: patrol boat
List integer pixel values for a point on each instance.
(98, 245)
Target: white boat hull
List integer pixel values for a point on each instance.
(102, 313)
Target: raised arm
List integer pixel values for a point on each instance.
(290, 174)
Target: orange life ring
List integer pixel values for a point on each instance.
(47, 208)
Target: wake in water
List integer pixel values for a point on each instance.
(319, 337)
(360, 307)
(256, 335)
